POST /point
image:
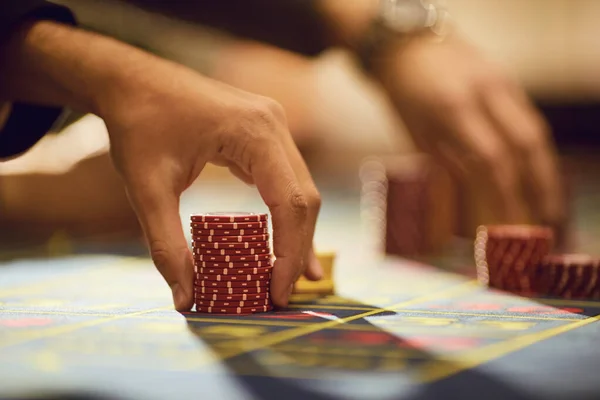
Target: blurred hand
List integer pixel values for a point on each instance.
(164, 130)
(465, 111)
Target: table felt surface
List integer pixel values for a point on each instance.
(94, 322)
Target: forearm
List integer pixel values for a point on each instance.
(46, 63)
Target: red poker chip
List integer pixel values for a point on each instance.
(229, 232)
(234, 258)
(233, 310)
(234, 278)
(229, 217)
(233, 271)
(240, 303)
(231, 290)
(231, 297)
(231, 252)
(230, 245)
(229, 225)
(232, 239)
(516, 231)
(230, 284)
(239, 264)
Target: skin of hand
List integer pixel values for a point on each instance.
(463, 109)
(165, 123)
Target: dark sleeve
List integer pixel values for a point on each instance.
(295, 25)
(27, 123)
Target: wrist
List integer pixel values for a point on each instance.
(398, 24)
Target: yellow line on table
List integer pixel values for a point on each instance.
(328, 307)
(440, 369)
(279, 337)
(59, 330)
(499, 316)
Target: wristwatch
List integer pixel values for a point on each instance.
(401, 19)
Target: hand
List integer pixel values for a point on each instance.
(462, 109)
(165, 122)
(166, 127)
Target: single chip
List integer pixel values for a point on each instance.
(229, 232)
(233, 310)
(240, 303)
(229, 225)
(517, 231)
(231, 245)
(232, 297)
(234, 284)
(230, 290)
(231, 252)
(234, 258)
(229, 217)
(234, 278)
(232, 239)
(238, 264)
(232, 271)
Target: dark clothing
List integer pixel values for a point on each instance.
(27, 123)
(295, 25)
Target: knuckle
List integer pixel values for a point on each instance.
(299, 203)
(266, 111)
(314, 199)
(274, 108)
(159, 252)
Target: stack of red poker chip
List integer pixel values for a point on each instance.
(507, 255)
(232, 263)
(570, 276)
(518, 259)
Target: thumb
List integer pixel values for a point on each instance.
(157, 209)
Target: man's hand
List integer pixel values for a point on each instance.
(462, 109)
(166, 127)
(165, 123)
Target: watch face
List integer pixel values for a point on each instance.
(405, 15)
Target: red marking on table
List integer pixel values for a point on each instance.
(25, 322)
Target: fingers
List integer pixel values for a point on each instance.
(157, 208)
(312, 268)
(490, 164)
(284, 183)
(529, 138)
(282, 193)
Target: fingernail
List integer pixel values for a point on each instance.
(290, 290)
(179, 297)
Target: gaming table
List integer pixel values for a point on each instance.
(94, 323)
